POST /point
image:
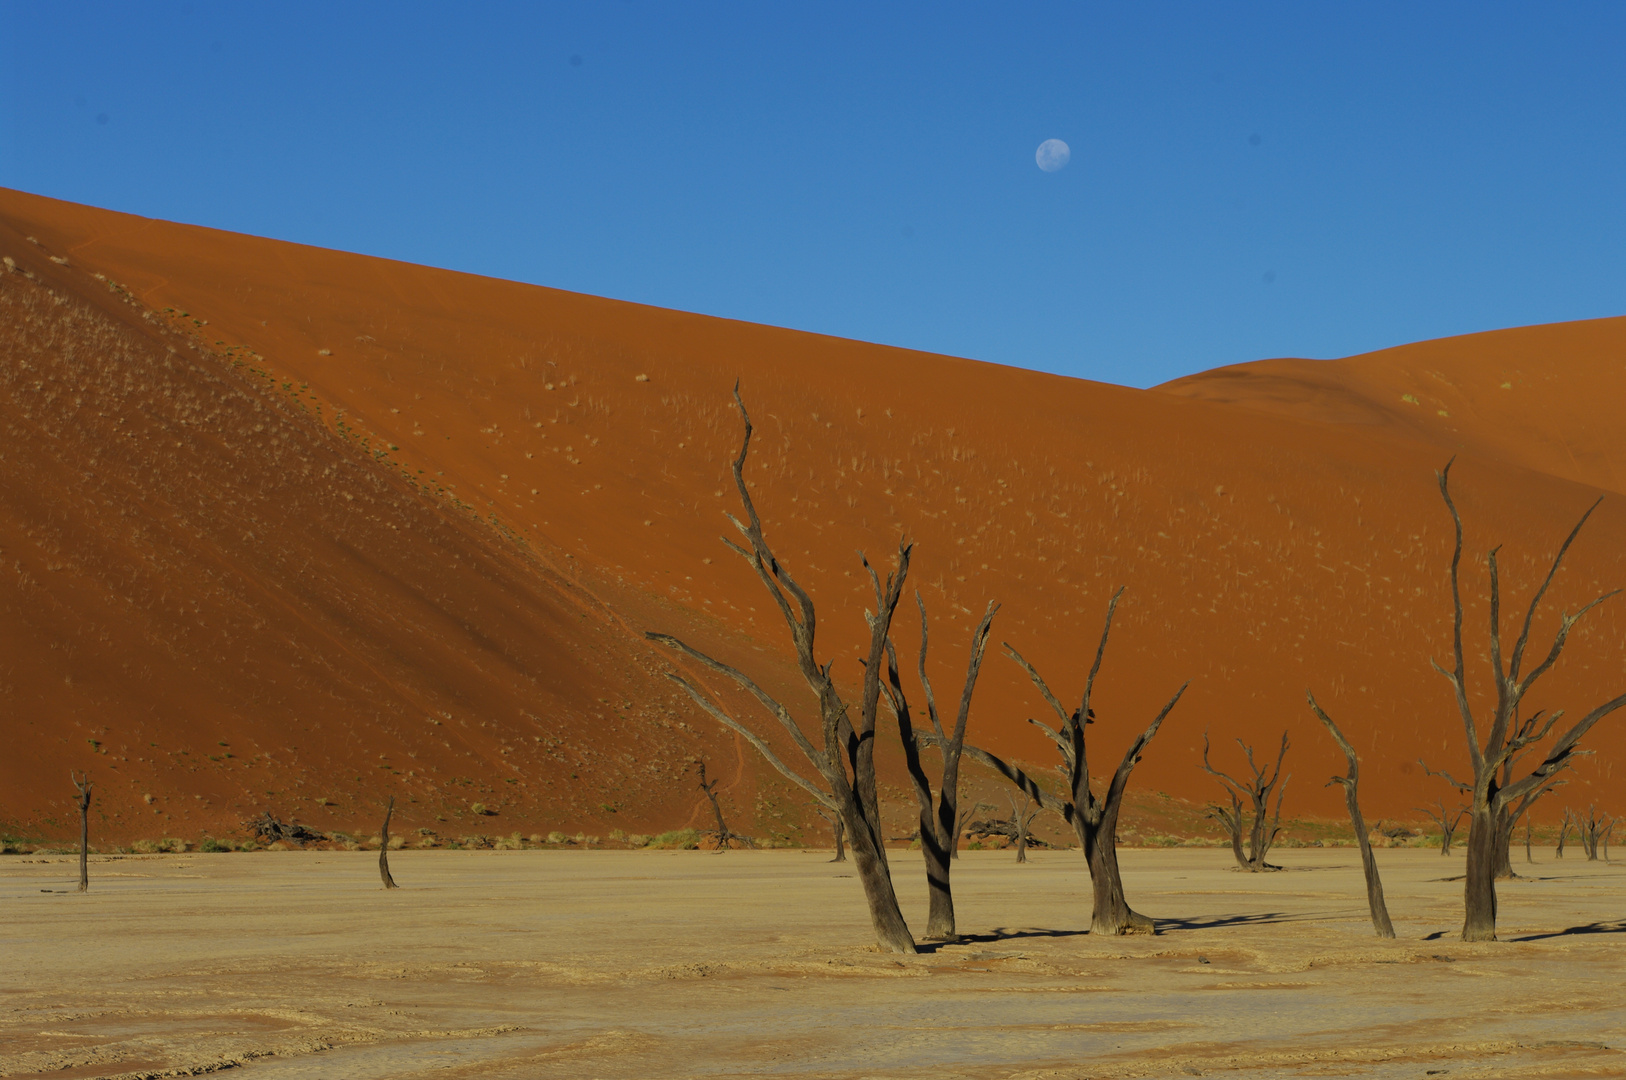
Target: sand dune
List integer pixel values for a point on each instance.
(367, 508)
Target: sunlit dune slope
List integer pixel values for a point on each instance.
(538, 476)
(1545, 397)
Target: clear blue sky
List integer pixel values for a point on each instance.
(1247, 180)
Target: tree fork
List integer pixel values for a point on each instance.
(1497, 799)
(1094, 821)
(845, 755)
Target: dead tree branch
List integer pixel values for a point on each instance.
(1350, 783)
(1094, 820)
(1256, 789)
(1497, 798)
(941, 815)
(844, 757)
(838, 829)
(725, 835)
(1447, 820)
(384, 847)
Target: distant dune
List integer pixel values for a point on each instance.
(292, 529)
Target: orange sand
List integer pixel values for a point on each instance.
(270, 556)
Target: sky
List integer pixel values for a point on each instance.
(1245, 180)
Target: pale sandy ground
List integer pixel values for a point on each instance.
(687, 964)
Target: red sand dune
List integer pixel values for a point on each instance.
(281, 524)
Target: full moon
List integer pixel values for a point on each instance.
(1052, 155)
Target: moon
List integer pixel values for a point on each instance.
(1052, 155)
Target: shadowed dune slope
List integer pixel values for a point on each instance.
(362, 495)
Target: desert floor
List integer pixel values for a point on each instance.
(680, 964)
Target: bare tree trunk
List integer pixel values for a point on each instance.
(1447, 820)
(1256, 789)
(1369, 864)
(384, 847)
(1504, 849)
(839, 829)
(82, 786)
(1563, 830)
(1498, 799)
(1594, 831)
(1020, 821)
(1231, 821)
(1112, 914)
(724, 835)
(1479, 890)
(869, 858)
(1529, 858)
(845, 756)
(942, 820)
(1094, 821)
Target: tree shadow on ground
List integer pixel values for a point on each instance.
(1618, 927)
(1267, 918)
(1000, 933)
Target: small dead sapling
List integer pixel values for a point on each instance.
(1256, 789)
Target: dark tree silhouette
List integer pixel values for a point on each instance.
(838, 829)
(1594, 830)
(384, 847)
(82, 785)
(1094, 820)
(1563, 831)
(1350, 783)
(724, 835)
(844, 757)
(940, 815)
(1021, 821)
(1447, 820)
(1509, 814)
(1496, 798)
(1256, 790)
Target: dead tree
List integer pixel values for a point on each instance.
(1094, 821)
(845, 755)
(1497, 799)
(384, 847)
(838, 829)
(1509, 814)
(1021, 819)
(1256, 789)
(1594, 830)
(1528, 857)
(1447, 820)
(941, 816)
(1563, 830)
(1350, 783)
(82, 786)
(724, 835)
(1231, 821)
